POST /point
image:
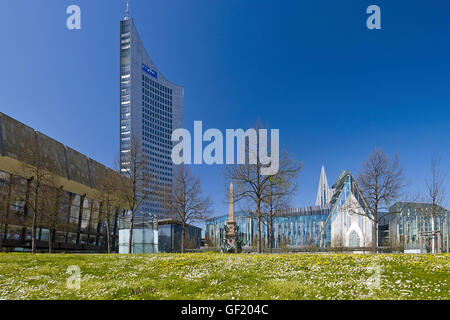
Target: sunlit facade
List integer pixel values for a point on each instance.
(408, 219)
(324, 192)
(351, 225)
(299, 227)
(71, 216)
(344, 222)
(341, 222)
(169, 236)
(145, 235)
(151, 107)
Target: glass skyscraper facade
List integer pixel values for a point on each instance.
(151, 107)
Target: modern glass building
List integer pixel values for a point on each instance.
(341, 221)
(151, 107)
(169, 233)
(145, 235)
(408, 219)
(297, 227)
(152, 236)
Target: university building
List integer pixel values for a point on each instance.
(337, 219)
(340, 219)
(408, 222)
(80, 224)
(296, 227)
(78, 211)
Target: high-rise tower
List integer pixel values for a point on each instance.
(324, 193)
(151, 107)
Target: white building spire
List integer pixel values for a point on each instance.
(324, 192)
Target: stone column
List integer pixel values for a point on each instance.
(231, 234)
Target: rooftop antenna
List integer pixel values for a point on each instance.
(128, 12)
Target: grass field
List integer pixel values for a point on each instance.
(218, 276)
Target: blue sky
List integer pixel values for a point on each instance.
(312, 69)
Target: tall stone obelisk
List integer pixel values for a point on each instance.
(231, 224)
(231, 209)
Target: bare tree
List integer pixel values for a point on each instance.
(5, 201)
(38, 172)
(139, 186)
(280, 188)
(184, 201)
(49, 208)
(273, 206)
(251, 185)
(380, 182)
(109, 197)
(435, 193)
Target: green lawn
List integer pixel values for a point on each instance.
(233, 276)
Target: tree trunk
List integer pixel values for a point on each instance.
(259, 237)
(108, 237)
(115, 244)
(4, 215)
(183, 236)
(50, 241)
(433, 250)
(258, 240)
(1, 236)
(270, 235)
(107, 222)
(374, 236)
(130, 241)
(33, 227)
(33, 233)
(2, 227)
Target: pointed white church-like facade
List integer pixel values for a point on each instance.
(350, 225)
(324, 193)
